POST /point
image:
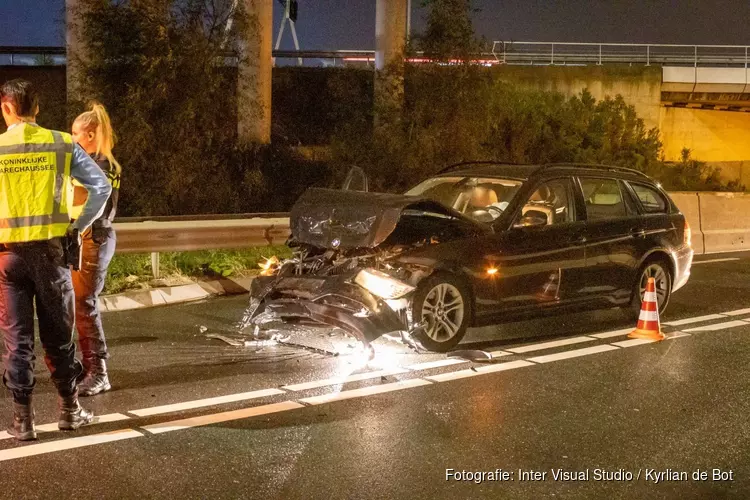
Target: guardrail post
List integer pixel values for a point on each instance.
(648, 55)
(600, 54)
(552, 59)
(155, 264)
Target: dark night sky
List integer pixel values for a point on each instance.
(349, 24)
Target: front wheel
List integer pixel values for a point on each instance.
(442, 303)
(662, 281)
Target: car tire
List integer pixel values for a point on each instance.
(658, 269)
(443, 301)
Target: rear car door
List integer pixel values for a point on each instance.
(615, 238)
(539, 259)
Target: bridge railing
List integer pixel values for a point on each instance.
(566, 53)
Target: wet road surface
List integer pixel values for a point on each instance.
(194, 417)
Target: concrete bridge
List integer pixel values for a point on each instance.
(697, 95)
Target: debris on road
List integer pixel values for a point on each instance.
(475, 355)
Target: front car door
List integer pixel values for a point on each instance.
(537, 261)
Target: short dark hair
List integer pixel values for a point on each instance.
(21, 93)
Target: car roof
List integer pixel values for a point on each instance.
(525, 172)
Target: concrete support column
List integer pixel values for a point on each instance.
(75, 50)
(390, 37)
(254, 74)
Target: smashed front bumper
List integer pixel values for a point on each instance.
(327, 300)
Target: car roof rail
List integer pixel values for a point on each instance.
(593, 166)
(456, 166)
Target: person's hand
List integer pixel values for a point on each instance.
(72, 233)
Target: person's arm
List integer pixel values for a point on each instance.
(85, 170)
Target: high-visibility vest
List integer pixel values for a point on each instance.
(34, 170)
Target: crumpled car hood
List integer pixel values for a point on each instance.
(336, 219)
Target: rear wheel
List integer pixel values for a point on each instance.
(658, 270)
(443, 303)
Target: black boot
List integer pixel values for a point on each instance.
(96, 379)
(72, 415)
(23, 422)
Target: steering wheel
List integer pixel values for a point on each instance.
(499, 211)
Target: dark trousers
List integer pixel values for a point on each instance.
(36, 272)
(97, 250)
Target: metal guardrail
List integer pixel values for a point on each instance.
(572, 53)
(201, 233)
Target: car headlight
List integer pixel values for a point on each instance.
(381, 284)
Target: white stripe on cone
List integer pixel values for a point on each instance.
(648, 316)
(649, 297)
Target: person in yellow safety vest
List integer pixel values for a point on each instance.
(35, 165)
(92, 131)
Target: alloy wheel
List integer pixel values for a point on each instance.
(443, 310)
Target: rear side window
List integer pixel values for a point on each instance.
(603, 198)
(651, 199)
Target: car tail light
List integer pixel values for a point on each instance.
(688, 238)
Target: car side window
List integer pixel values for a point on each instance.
(651, 200)
(549, 204)
(604, 199)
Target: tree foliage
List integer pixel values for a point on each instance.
(449, 34)
(465, 113)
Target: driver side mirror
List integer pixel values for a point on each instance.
(532, 218)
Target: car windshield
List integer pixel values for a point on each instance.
(481, 198)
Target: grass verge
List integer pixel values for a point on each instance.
(133, 271)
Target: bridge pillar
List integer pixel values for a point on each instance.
(390, 38)
(254, 74)
(75, 52)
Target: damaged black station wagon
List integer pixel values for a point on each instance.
(478, 243)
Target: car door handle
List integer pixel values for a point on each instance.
(578, 239)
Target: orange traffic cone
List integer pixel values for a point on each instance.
(648, 326)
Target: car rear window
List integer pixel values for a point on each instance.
(652, 200)
(603, 199)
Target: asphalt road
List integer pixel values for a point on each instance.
(194, 417)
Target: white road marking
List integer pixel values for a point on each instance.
(633, 342)
(613, 333)
(696, 262)
(738, 312)
(343, 380)
(498, 354)
(365, 391)
(573, 354)
(550, 345)
(103, 419)
(187, 423)
(67, 444)
(447, 377)
(697, 319)
(200, 403)
(718, 326)
(437, 364)
(676, 335)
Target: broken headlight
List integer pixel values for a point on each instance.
(381, 284)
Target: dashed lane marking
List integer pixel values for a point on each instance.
(103, 419)
(427, 365)
(698, 319)
(365, 391)
(187, 423)
(717, 326)
(200, 403)
(550, 345)
(67, 444)
(343, 380)
(633, 342)
(573, 354)
(613, 333)
(738, 312)
(728, 259)
(446, 377)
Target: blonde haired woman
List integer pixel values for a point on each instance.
(93, 131)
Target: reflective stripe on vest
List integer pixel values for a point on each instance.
(34, 167)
